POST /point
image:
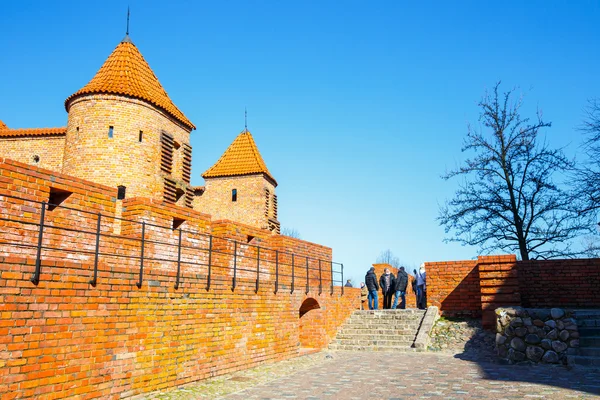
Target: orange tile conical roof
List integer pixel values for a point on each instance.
(126, 72)
(240, 158)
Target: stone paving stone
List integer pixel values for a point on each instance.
(424, 375)
(392, 376)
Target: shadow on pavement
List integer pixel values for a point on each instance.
(478, 350)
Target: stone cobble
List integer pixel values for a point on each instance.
(394, 376)
(367, 375)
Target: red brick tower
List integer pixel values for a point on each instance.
(123, 129)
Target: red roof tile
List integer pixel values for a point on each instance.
(240, 158)
(32, 132)
(126, 72)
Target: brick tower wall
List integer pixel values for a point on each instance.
(122, 159)
(49, 149)
(251, 207)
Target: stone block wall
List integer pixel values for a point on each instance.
(527, 335)
(67, 338)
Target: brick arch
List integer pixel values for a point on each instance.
(307, 305)
(311, 324)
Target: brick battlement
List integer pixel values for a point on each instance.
(65, 337)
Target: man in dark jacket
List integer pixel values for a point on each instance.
(387, 283)
(373, 287)
(400, 288)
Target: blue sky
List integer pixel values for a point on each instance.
(357, 107)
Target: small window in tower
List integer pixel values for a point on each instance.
(234, 195)
(36, 159)
(141, 136)
(110, 132)
(77, 129)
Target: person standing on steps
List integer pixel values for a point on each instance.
(364, 294)
(387, 283)
(421, 279)
(372, 287)
(400, 288)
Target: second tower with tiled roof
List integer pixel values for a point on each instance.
(239, 187)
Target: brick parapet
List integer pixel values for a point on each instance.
(67, 338)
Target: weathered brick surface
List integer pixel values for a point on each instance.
(122, 159)
(49, 149)
(478, 287)
(252, 207)
(560, 283)
(454, 287)
(66, 338)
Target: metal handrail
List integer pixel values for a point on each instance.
(46, 227)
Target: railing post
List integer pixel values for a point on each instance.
(276, 271)
(139, 282)
(234, 265)
(35, 278)
(342, 269)
(209, 261)
(292, 291)
(331, 262)
(320, 278)
(257, 268)
(94, 280)
(307, 284)
(178, 261)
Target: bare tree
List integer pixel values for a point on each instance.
(508, 200)
(588, 176)
(387, 257)
(291, 232)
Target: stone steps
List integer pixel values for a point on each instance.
(379, 330)
(588, 323)
(370, 339)
(586, 360)
(589, 341)
(384, 332)
(589, 331)
(398, 349)
(589, 351)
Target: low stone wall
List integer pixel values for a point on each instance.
(530, 335)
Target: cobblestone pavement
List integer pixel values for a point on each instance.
(393, 376)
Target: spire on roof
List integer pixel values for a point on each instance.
(245, 120)
(127, 39)
(241, 158)
(126, 72)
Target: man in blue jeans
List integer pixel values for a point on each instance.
(373, 287)
(401, 283)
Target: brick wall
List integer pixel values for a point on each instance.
(499, 285)
(478, 287)
(67, 338)
(560, 283)
(49, 149)
(251, 206)
(454, 287)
